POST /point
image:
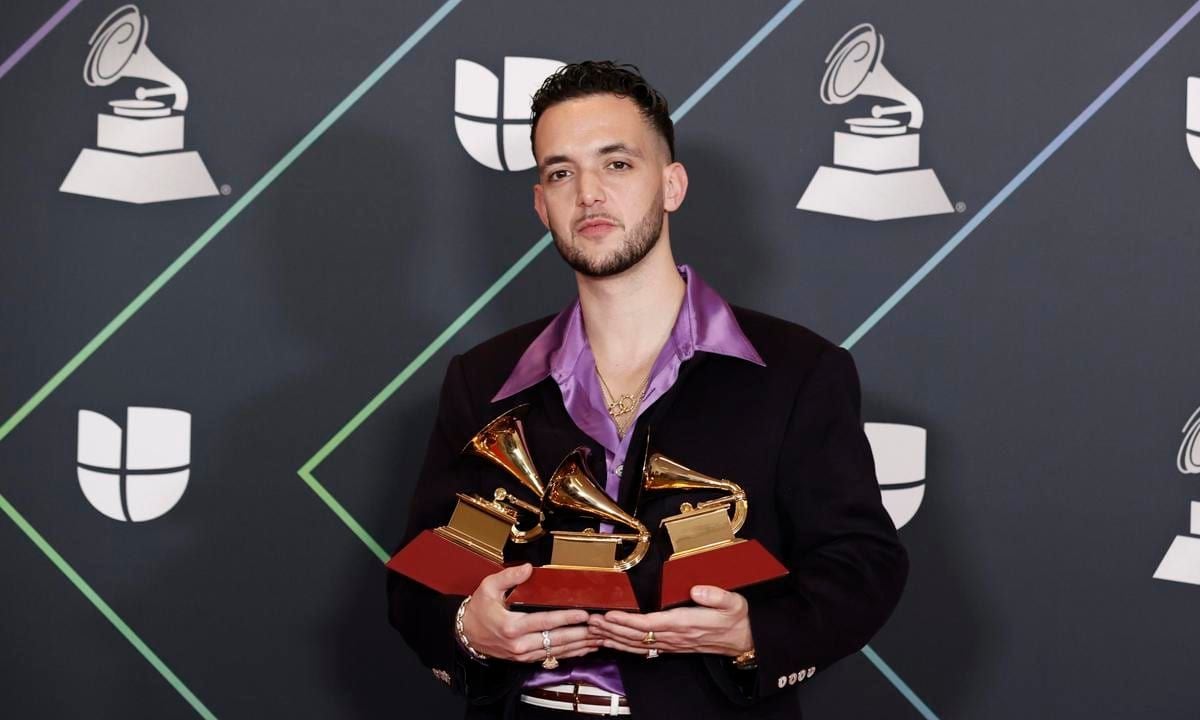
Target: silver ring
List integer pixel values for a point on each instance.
(550, 662)
(652, 654)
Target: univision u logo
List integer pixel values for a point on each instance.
(482, 129)
(138, 474)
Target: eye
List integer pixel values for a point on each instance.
(555, 175)
(619, 165)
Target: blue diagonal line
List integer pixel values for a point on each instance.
(736, 59)
(1021, 177)
(900, 685)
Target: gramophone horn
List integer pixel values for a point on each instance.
(119, 50)
(503, 442)
(855, 67)
(662, 473)
(572, 488)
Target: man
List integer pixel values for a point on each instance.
(649, 350)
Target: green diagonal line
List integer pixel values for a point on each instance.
(306, 472)
(345, 516)
(263, 183)
(104, 609)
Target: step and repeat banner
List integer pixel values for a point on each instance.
(241, 240)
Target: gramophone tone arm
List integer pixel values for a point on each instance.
(521, 536)
(524, 536)
(503, 495)
(642, 538)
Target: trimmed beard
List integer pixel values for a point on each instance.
(638, 243)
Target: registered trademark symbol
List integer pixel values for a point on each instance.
(225, 190)
(960, 206)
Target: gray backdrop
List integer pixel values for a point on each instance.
(1052, 356)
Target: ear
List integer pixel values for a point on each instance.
(539, 204)
(675, 184)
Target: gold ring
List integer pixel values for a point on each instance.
(649, 639)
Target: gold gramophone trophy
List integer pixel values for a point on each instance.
(453, 558)
(584, 571)
(706, 551)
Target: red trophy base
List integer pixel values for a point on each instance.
(562, 588)
(438, 563)
(743, 563)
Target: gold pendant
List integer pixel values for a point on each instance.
(622, 406)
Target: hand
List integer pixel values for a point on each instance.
(721, 626)
(496, 632)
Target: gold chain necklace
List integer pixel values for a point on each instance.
(626, 405)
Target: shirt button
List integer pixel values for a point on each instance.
(619, 470)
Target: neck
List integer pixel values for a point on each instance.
(629, 316)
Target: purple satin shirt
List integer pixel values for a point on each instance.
(705, 323)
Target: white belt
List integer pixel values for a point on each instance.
(612, 707)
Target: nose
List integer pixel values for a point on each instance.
(591, 190)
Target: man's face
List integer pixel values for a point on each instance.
(601, 183)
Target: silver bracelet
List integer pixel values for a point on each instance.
(462, 636)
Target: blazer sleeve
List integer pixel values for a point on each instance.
(423, 616)
(847, 564)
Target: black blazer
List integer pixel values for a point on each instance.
(790, 433)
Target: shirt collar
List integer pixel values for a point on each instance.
(705, 323)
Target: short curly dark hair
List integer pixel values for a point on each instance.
(604, 77)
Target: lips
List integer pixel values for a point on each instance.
(596, 227)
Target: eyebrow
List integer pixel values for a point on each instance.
(606, 150)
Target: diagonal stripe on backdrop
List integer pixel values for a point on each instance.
(306, 472)
(1021, 177)
(144, 296)
(38, 36)
(899, 684)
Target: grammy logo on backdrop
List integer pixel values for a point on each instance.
(139, 156)
(875, 173)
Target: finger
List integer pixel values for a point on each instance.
(574, 649)
(578, 653)
(676, 619)
(496, 584)
(717, 598)
(627, 634)
(631, 649)
(559, 637)
(539, 621)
